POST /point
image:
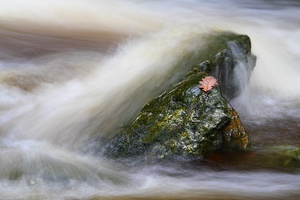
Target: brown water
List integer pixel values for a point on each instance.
(74, 70)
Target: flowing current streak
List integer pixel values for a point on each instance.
(114, 89)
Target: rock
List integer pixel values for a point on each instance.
(234, 135)
(276, 158)
(284, 157)
(232, 56)
(186, 122)
(182, 121)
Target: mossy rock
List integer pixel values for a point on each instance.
(283, 157)
(184, 121)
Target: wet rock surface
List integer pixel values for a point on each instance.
(186, 122)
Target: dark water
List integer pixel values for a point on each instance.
(74, 70)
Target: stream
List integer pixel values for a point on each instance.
(72, 71)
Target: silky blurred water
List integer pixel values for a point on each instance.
(72, 71)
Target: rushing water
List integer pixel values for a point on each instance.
(74, 70)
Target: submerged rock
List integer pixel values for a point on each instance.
(277, 158)
(186, 122)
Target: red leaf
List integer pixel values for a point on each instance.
(208, 83)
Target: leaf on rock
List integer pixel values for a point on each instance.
(208, 83)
